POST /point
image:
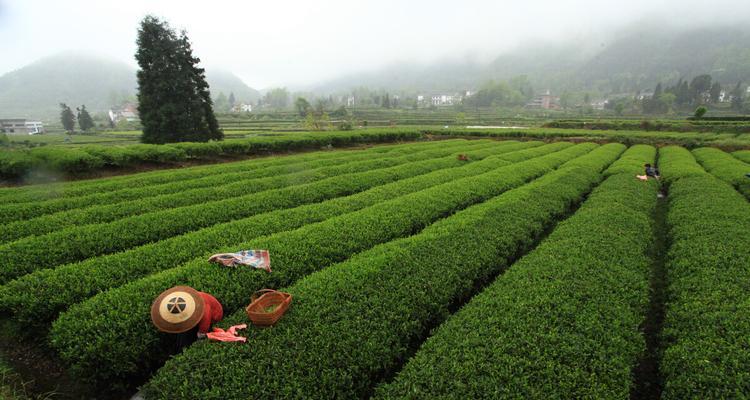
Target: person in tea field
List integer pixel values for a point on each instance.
(651, 171)
(186, 313)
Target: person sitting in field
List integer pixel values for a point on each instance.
(186, 313)
(651, 171)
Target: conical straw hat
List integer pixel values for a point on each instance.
(177, 310)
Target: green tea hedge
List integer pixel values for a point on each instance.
(66, 159)
(211, 188)
(78, 243)
(133, 347)
(706, 333)
(742, 155)
(305, 172)
(564, 321)
(72, 283)
(725, 167)
(353, 323)
(45, 191)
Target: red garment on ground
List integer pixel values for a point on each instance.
(212, 312)
(230, 335)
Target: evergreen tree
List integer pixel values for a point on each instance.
(67, 118)
(174, 101)
(85, 122)
(232, 100)
(386, 101)
(302, 106)
(683, 94)
(737, 99)
(699, 85)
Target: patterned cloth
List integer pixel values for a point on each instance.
(259, 259)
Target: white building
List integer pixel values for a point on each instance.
(128, 112)
(242, 107)
(19, 126)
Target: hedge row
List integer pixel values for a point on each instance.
(725, 167)
(563, 322)
(353, 323)
(76, 282)
(706, 333)
(742, 155)
(223, 186)
(81, 242)
(689, 139)
(676, 162)
(67, 159)
(132, 346)
(652, 125)
(23, 211)
(633, 160)
(86, 187)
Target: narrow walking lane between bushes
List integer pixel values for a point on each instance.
(647, 377)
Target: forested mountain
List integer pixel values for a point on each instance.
(631, 60)
(35, 91)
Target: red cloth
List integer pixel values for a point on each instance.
(212, 312)
(230, 335)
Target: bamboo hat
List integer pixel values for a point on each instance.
(177, 310)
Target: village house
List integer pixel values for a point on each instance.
(545, 101)
(20, 126)
(242, 107)
(128, 112)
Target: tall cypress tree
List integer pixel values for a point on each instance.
(174, 101)
(84, 119)
(67, 118)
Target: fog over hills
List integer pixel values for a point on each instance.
(35, 91)
(635, 59)
(631, 60)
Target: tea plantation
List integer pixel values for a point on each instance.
(429, 269)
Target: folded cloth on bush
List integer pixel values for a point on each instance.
(259, 259)
(642, 177)
(229, 335)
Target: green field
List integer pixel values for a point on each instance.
(85, 156)
(527, 271)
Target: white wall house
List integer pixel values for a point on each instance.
(19, 126)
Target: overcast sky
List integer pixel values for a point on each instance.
(296, 42)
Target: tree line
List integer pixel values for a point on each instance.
(82, 116)
(701, 90)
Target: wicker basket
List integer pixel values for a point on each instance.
(267, 306)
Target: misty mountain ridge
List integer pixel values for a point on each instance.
(628, 61)
(75, 78)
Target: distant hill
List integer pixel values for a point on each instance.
(35, 91)
(630, 60)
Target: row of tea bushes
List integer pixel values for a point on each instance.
(707, 323)
(564, 321)
(132, 346)
(80, 242)
(725, 167)
(72, 160)
(217, 187)
(72, 283)
(353, 323)
(26, 210)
